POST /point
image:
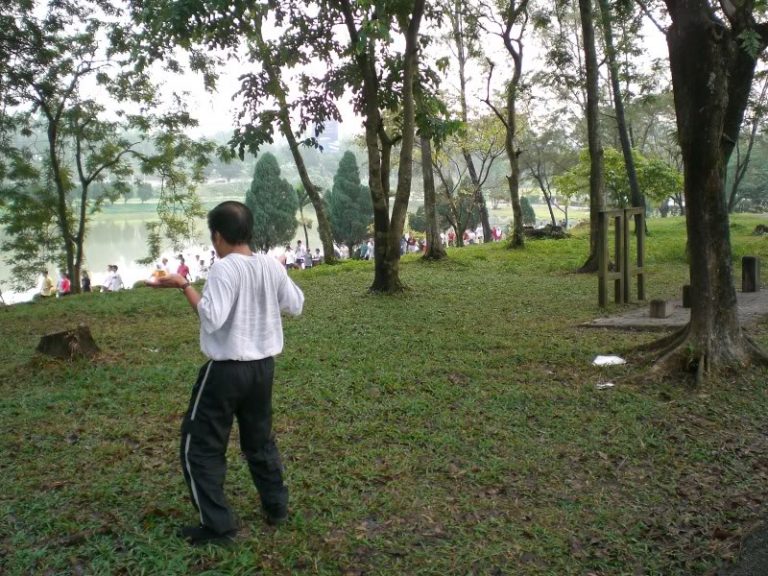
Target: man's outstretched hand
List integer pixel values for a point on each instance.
(167, 281)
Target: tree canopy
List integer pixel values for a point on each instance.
(67, 147)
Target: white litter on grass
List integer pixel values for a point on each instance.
(608, 361)
(604, 385)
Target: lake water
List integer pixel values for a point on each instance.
(121, 241)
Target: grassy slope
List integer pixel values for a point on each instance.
(453, 430)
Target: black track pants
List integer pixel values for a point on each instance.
(225, 390)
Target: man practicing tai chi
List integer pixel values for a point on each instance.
(240, 332)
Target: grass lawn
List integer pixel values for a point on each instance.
(456, 429)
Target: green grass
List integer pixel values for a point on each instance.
(455, 429)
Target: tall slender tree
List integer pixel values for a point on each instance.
(465, 46)
(510, 27)
(369, 26)
(596, 176)
(306, 223)
(606, 17)
(435, 249)
(743, 158)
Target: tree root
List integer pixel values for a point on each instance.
(757, 354)
(434, 255)
(667, 342)
(590, 266)
(678, 357)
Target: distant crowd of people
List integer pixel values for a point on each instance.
(298, 258)
(198, 270)
(63, 287)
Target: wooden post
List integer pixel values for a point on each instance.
(634, 266)
(750, 274)
(640, 267)
(687, 296)
(604, 259)
(620, 261)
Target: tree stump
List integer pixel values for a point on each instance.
(69, 344)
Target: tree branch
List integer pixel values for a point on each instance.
(650, 16)
(487, 100)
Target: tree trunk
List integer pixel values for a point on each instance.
(513, 180)
(596, 178)
(323, 223)
(459, 37)
(62, 211)
(742, 164)
(435, 248)
(386, 264)
(387, 248)
(485, 219)
(636, 196)
(711, 76)
(304, 226)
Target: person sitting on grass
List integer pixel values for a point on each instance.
(65, 286)
(46, 288)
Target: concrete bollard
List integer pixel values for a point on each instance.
(750, 274)
(661, 308)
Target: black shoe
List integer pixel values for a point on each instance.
(201, 535)
(276, 515)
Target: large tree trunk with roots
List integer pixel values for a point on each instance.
(711, 76)
(387, 229)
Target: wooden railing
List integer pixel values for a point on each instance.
(625, 268)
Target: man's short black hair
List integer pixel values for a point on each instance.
(233, 220)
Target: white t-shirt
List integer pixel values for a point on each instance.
(240, 307)
(116, 283)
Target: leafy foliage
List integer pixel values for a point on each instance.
(658, 180)
(31, 234)
(87, 151)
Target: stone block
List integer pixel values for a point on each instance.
(661, 308)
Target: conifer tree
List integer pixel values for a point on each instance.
(349, 203)
(274, 204)
(529, 215)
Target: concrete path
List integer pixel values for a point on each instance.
(752, 307)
